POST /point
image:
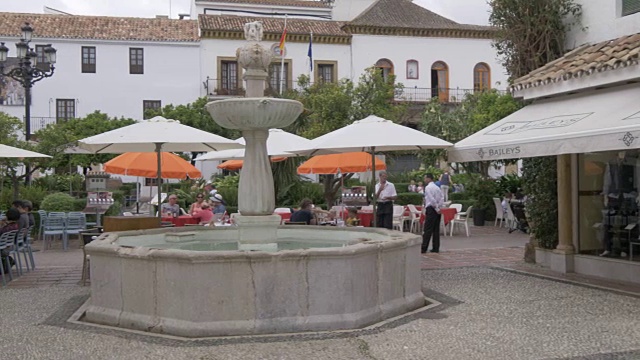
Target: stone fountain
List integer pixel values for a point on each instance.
(257, 277)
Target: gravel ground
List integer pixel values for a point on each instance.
(485, 314)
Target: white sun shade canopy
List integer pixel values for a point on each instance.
(143, 137)
(7, 151)
(278, 143)
(369, 133)
(598, 120)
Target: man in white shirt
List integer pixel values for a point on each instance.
(384, 196)
(433, 202)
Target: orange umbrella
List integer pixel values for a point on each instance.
(345, 163)
(234, 165)
(146, 164)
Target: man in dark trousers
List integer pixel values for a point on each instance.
(433, 202)
(384, 196)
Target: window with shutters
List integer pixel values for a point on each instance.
(150, 105)
(136, 61)
(41, 59)
(65, 109)
(325, 71)
(630, 7)
(89, 59)
(481, 77)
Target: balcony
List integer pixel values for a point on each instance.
(214, 90)
(38, 123)
(423, 95)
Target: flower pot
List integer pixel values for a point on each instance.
(478, 217)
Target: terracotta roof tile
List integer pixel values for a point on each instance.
(99, 27)
(272, 25)
(406, 14)
(585, 60)
(296, 3)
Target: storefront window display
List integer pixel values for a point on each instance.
(608, 184)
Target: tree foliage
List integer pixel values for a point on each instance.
(474, 113)
(531, 33)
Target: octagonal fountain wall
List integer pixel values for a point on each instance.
(198, 282)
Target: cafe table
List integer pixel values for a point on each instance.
(181, 220)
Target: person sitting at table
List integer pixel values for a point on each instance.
(11, 224)
(197, 206)
(420, 188)
(412, 186)
(218, 204)
(28, 207)
(171, 208)
(305, 214)
(352, 217)
(204, 214)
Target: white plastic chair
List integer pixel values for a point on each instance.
(367, 208)
(499, 211)
(282, 210)
(511, 218)
(414, 217)
(398, 217)
(458, 207)
(461, 219)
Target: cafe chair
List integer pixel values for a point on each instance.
(7, 243)
(461, 218)
(414, 218)
(499, 211)
(398, 217)
(54, 226)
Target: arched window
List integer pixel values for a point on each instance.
(440, 81)
(481, 77)
(412, 69)
(386, 68)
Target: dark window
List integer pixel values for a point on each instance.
(65, 109)
(150, 105)
(325, 73)
(385, 67)
(630, 7)
(41, 60)
(136, 61)
(229, 75)
(481, 77)
(274, 77)
(151, 182)
(88, 59)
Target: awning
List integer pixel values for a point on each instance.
(598, 120)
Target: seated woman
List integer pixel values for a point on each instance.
(204, 214)
(305, 214)
(13, 215)
(352, 217)
(197, 206)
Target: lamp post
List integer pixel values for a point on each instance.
(27, 73)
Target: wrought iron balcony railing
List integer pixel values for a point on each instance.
(39, 122)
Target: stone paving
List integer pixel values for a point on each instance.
(492, 306)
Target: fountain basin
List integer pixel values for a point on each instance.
(254, 113)
(357, 278)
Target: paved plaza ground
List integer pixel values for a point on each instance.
(490, 305)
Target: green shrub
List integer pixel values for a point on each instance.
(61, 182)
(409, 198)
(483, 191)
(35, 194)
(114, 210)
(466, 204)
(539, 177)
(459, 196)
(509, 183)
(232, 209)
(401, 187)
(79, 204)
(59, 202)
(229, 194)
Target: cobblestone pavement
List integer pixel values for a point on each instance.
(485, 313)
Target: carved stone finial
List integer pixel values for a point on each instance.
(253, 31)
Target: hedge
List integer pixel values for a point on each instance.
(409, 198)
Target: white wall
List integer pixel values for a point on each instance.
(602, 21)
(461, 55)
(347, 10)
(171, 75)
(297, 52)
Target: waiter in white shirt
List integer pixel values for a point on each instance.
(385, 194)
(433, 202)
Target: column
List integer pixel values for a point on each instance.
(565, 208)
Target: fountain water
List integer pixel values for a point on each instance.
(257, 277)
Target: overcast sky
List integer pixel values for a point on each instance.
(463, 11)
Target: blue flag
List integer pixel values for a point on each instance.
(310, 53)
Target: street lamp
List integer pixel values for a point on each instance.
(26, 73)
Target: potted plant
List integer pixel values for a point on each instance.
(482, 192)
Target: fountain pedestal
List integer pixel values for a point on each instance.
(255, 115)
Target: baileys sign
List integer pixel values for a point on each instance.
(498, 152)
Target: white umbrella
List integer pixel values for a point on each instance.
(370, 135)
(7, 151)
(278, 143)
(156, 135)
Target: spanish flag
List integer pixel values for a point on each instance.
(283, 38)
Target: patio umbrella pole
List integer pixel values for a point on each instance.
(373, 182)
(159, 178)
